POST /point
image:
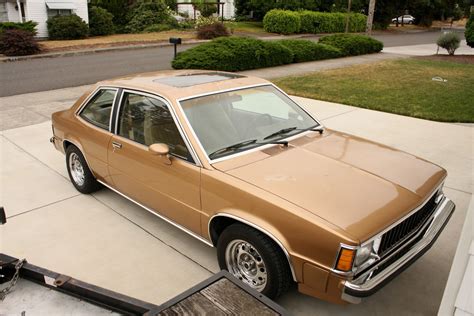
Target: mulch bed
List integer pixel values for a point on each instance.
(462, 59)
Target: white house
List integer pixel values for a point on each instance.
(227, 6)
(40, 10)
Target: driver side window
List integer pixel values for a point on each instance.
(147, 120)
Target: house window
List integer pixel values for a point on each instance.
(3, 12)
(56, 12)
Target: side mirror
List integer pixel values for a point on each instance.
(161, 150)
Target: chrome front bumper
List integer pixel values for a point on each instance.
(365, 285)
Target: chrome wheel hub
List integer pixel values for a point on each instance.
(246, 264)
(76, 169)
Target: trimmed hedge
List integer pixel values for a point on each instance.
(324, 22)
(305, 50)
(233, 54)
(288, 22)
(353, 44)
(469, 33)
(28, 26)
(63, 27)
(16, 42)
(100, 21)
(282, 21)
(243, 53)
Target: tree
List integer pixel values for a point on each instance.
(469, 33)
(118, 8)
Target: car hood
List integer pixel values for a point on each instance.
(358, 185)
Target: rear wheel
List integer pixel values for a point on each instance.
(79, 173)
(254, 258)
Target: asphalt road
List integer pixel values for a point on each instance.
(53, 73)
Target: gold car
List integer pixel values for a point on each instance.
(236, 163)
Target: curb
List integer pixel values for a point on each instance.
(130, 47)
(93, 51)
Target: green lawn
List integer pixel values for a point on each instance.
(246, 27)
(403, 86)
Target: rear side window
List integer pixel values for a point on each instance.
(99, 108)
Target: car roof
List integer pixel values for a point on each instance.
(178, 84)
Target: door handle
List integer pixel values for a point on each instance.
(116, 145)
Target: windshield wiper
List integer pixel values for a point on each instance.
(314, 128)
(282, 131)
(232, 147)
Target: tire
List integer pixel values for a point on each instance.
(79, 173)
(253, 251)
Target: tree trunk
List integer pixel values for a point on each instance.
(370, 17)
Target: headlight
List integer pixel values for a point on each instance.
(355, 258)
(363, 254)
(367, 254)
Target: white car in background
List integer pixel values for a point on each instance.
(407, 19)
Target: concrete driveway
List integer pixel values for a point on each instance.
(106, 240)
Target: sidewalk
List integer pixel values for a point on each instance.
(427, 49)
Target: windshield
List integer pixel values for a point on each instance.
(247, 118)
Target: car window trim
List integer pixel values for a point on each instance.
(167, 103)
(254, 149)
(89, 98)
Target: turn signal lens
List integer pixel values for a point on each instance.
(346, 257)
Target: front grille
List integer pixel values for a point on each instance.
(399, 254)
(396, 235)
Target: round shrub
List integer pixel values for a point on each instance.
(352, 44)
(64, 27)
(157, 28)
(145, 14)
(212, 31)
(233, 54)
(469, 33)
(305, 50)
(282, 22)
(100, 21)
(449, 41)
(15, 42)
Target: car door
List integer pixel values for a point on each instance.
(171, 189)
(95, 130)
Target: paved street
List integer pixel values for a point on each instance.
(106, 240)
(60, 72)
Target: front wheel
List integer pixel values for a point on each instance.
(255, 259)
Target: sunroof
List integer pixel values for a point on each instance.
(182, 81)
